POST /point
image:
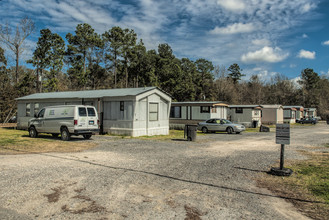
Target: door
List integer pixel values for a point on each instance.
(92, 118)
(39, 122)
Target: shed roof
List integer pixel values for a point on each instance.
(89, 93)
(200, 103)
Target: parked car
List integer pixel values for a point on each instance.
(218, 124)
(65, 120)
(307, 121)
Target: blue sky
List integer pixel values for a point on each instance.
(264, 37)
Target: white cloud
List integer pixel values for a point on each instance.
(306, 54)
(266, 54)
(261, 42)
(304, 36)
(232, 5)
(295, 81)
(326, 42)
(234, 29)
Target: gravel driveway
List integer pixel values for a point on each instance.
(212, 178)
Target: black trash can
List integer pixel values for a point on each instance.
(190, 132)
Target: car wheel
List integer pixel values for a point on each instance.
(86, 136)
(33, 132)
(302, 122)
(229, 130)
(204, 130)
(65, 135)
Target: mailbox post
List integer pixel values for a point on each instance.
(283, 138)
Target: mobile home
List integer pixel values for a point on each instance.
(289, 114)
(193, 112)
(272, 114)
(248, 115)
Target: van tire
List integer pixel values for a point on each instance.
(65, 134)
(33, 132)
(86, 136)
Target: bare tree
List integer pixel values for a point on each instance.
(15, 40)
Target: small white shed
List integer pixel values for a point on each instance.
(130, 111)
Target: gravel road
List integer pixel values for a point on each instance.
(212, 178)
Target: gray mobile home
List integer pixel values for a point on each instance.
(131, 111)
(248, 115)
(193, 112)
(289, 114)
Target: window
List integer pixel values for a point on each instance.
(52, 112)
(28, 109)
(214, 110)
(239, 110)
(36, 108)
(154, 111)
(91, 112)
(41, 113)
(122, 106)
(82, 112)
(204, 109)
(176, 112)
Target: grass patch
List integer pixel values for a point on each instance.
(252, 130)
(310, 181)
(18, 142)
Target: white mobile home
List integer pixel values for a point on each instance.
(131, 111)
(248, 115)
(193, 112)
(310, 112)
(299, 112)
(272, 114)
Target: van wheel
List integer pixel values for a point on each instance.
(65, 135)
(86, 136)
(33, 132)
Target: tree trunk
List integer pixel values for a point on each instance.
(17, 63)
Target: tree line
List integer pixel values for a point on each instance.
(117, 59)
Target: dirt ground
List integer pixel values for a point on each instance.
(212, 178)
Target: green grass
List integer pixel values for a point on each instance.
(252, 130)
(314, 175)
(18, 141)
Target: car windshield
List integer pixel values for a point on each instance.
(224, 121)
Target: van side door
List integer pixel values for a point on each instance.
(92, 118)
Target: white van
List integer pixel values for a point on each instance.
(65, 120)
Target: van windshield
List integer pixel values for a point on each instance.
(82, 112)
(91, 112)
